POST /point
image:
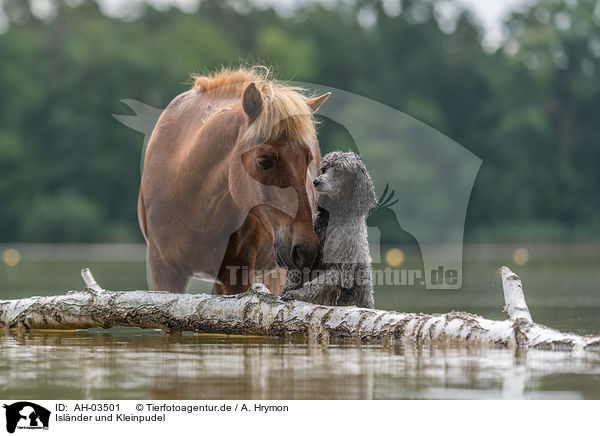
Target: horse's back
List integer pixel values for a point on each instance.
(182, 120)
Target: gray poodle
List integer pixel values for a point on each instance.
(341, 275)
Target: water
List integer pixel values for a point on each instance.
(561, 288)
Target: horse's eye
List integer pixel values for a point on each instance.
(264, 162)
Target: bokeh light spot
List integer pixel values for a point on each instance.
(394, 257)
(521, 256)
(11, 257)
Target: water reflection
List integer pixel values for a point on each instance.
(135, 364)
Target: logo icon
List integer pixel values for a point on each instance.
(26, 415)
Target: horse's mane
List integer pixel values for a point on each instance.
(286, 111)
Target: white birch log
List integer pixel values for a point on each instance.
(258, 312)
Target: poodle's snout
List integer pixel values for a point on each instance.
(317, 182)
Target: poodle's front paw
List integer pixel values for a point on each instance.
(287, 295)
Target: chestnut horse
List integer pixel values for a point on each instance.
(227, 182)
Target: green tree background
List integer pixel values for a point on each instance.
(70, 173)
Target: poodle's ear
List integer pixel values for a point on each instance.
(315, 103)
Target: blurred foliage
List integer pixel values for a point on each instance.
(70, 172)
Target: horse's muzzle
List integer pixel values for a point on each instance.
(303, 256)
(299, 256)
(282, 254)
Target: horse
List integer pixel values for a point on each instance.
(226, 186)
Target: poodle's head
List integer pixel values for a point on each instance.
(345, 185)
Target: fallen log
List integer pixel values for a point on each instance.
(258, 312)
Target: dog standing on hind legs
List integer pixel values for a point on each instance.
(341, 275)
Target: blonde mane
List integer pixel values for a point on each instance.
(285, 113)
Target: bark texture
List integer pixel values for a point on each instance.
(258, 312)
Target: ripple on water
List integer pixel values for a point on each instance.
(140, 364)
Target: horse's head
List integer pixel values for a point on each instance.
(268, 169)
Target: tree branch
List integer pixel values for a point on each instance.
(258, 312)
(513, 296)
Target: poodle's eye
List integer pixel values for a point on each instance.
(265, 162)
(338, 173)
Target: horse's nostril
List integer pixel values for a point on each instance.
(296, 256)
(301, 257)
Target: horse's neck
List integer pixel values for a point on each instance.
(204, 156)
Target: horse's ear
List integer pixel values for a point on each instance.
(252, 102)
(315, 103)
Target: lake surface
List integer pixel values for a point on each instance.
(561, 286)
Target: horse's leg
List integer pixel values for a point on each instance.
(236, 271)
(276, 280)
(272, 275)
(234, 276)
(237, 268)
(164, 276)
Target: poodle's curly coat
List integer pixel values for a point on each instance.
(341, 275)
